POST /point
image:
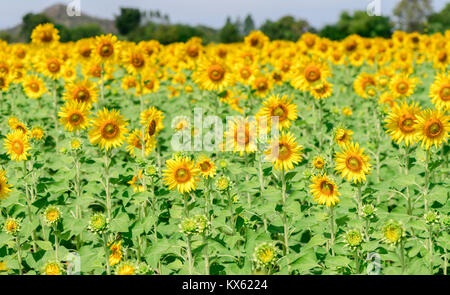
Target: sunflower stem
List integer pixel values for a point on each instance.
(430, 247)
(189, 254)
(205, 241)
(106, 248)
(107, 188)
(402, 255)
(25, 174)
(320, 124)
(427, 180)
(285, 224)
(19, 255)
(332, 230)
(55, 115)
(408, 196)
(99, 103)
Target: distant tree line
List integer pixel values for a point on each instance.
(136, 25)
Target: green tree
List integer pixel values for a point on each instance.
(286, 28)
(128, 20)
(412, 14)
(229, 33)
(249, 25)
(30, 21)
(439, 21)
(359, 23)
(85, 31)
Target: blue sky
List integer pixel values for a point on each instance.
(208, 12)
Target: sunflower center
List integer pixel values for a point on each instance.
(110, 130)
(238, 135)
(245, 73)
(150, 84)
(276, 76)
(285, 67)
(262, 85)
(182, 175)
(216, 73)
(442, 57)
(20, 53)
(279, 112)
(86, 52)
(2, 82)
(47, 37)
(53, 66)
(82, 95)
(254, 42)
(193, 51)
(312, 73)
(327, 188)
(351, 45)
(445, 93)
(353, 163)
(151, 128)
(406, 123)
(106, 50)
(34, 86)
(434, 128)
(205, 166)
(17, 147)
(75, 118)
(137, 62)
(52, 215)
(402, 87)
(283, 151)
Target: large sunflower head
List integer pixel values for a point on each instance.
(241, 135)
(108, 129)
(206, 167)
(152, 119)
(310, 72)
(212, 75)
(105, 47)
(401, 122)
(342, 136)
(45, 34)
(50, 65)
(432, 128)
(135, 59)
(284, 153)
(83, 91)
(324, 190)
(34, 86)
(281, 107)
(440, 92)
(402, 85)
(17, 146)
(4, 186)
(352, 163)
(181, 174)
(74, 115)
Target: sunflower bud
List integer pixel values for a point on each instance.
(368, 210)
(98, 223)
(431, 217)
(52, 215)
(12, 226)
(52, 268)
(188, 226)
(353, 238)
(223, 183)
(265, 255)
(393, 232)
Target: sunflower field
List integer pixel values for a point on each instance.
(356, 182)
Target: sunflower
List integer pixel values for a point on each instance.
(212, 75)
(241, 135)
(206, 166)
(4, 186)
(440, 92)
(256, 39)
(83, 91)
(150, 83)
(105, 47)
(126, 268)
(322, 90)
(432, 128)
(261, 85)
(309, 73)
(109, 129)
(45, 34)
(5, 81)
(116, 253)
(401, 122)
(50, 66)
(318, 162)
(52, 269)
(68, 71)
(17, 145)
(181, 174)
(74, 115)
(365, 84)
(134, 141)
(324, 190)
(134, 182)
(19, 126)
(152, 119)
(402, 85)
(284, 152)
(352, 163)
(34, 86)
(244, 73)
(134, 59)
(281, 107)
(342, 136)
(37, 133)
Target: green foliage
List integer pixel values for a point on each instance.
(359, 23)
(286, 28)
(439, 21)
(85, 31)
(128, 20)
(412, 14)
(229, 33)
